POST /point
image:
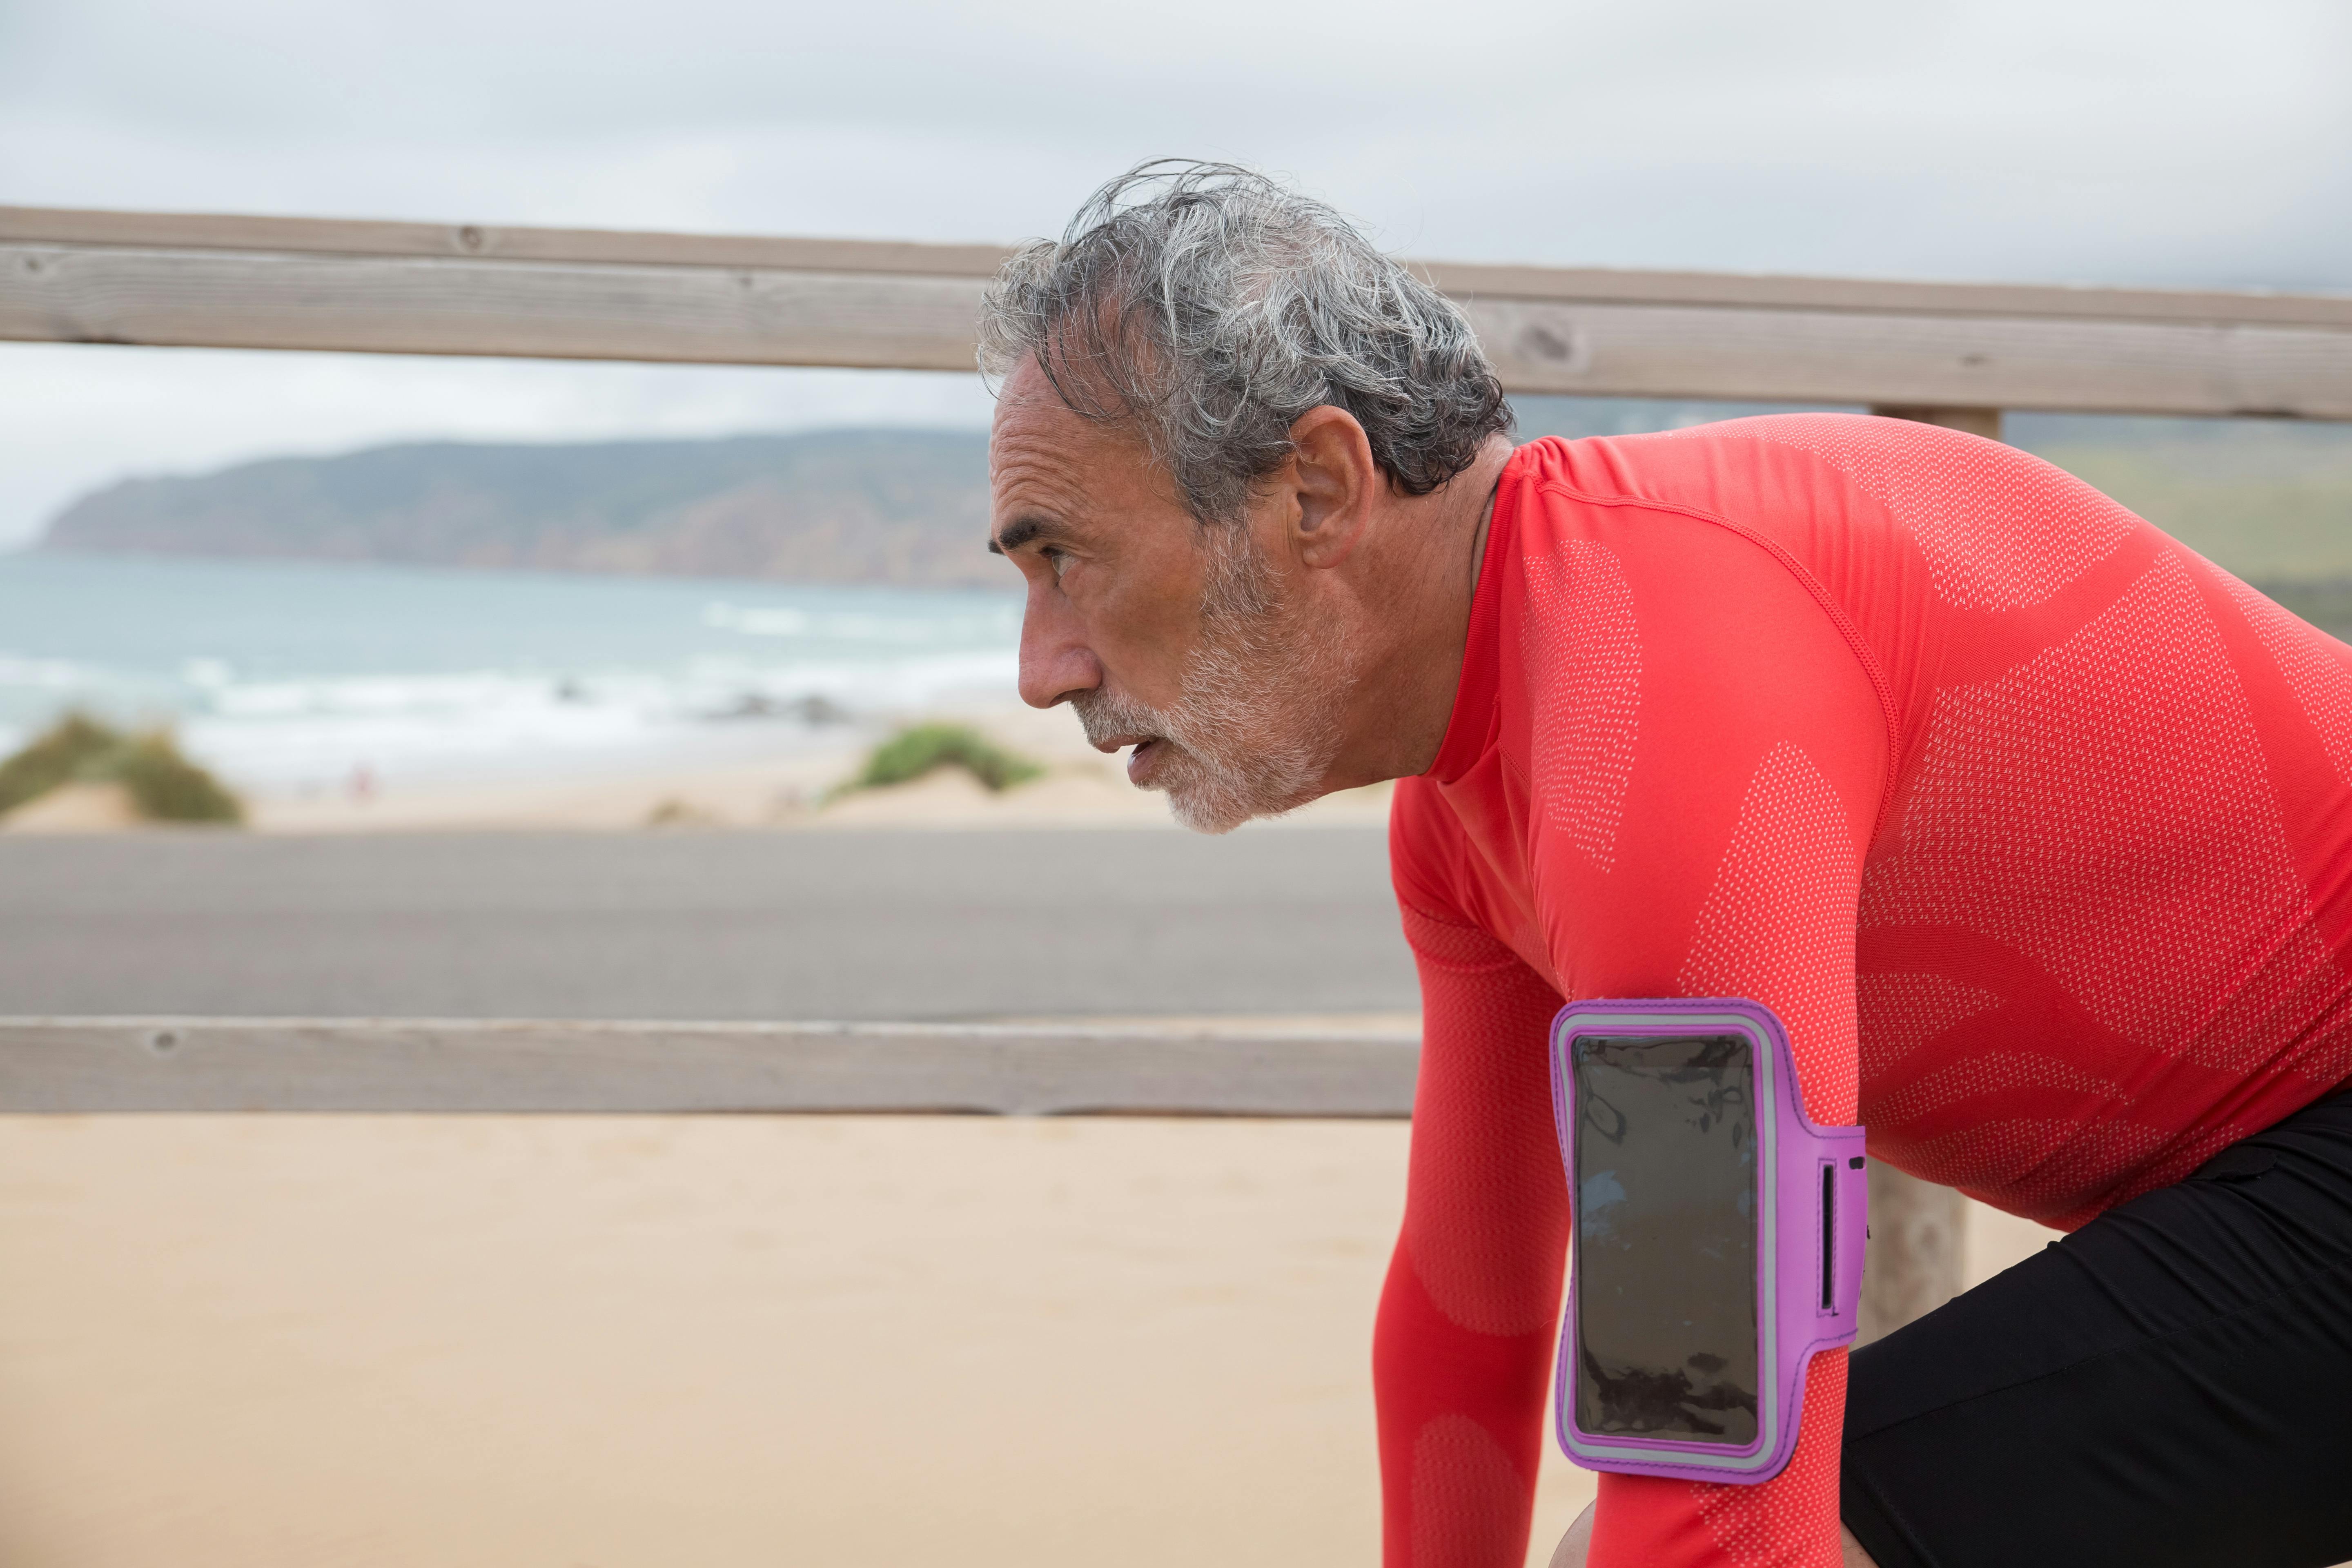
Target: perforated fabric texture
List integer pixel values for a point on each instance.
(1777, 925)
(2001, 529)
(1485, 1171)
(2104, 809)
(1583, 656)
(1780, 1522)
(2319, 672)
(1470, 1502)
(1898, 1012)
(2104, 812)
(2034, 827)
(1453, 945)
(1466, 1324)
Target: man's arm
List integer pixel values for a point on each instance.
(1464, 1344)
(1775, 924)
(1752, 730)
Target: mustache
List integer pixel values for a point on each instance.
(1105, 714)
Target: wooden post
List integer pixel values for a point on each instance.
(1914, 1260)
(1984, 422)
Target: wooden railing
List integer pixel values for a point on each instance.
(530, 1065)
(85, 1065)
(1953, 353)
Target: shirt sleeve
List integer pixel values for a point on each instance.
(1463, 1348)
(1752, 766)
(1704, 748)
(1777, 927)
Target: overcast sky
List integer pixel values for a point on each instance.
(2091, 141)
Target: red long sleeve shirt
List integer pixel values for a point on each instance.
(2033, 826)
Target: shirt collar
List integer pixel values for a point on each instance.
(1471, 729)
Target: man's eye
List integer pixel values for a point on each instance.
(1057, 561)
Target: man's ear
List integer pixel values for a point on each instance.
(1330, 485)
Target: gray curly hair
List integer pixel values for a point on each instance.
(1214, 306)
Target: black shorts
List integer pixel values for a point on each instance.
(2169, 1387)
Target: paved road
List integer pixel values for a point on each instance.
(690, 925)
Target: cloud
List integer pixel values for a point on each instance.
(2103, 141)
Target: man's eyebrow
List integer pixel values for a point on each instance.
(1022, 529)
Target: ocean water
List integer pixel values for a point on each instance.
(296, 676)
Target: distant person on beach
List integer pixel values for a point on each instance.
(2033, 826)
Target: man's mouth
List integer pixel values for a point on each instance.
(1147, 754)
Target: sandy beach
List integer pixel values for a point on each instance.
(1077, 792)
(790, 787)
(382, 1342)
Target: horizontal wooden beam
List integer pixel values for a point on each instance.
(1936, 361)
(1887, 296)
(100, 1065)
(1588, 285)
(211, 298)
(476, 242)
(1984, 422)
(403, 288)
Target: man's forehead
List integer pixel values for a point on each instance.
(1036, 424)
(1033, 447)
(1051, 466)
(1030, 411)
(1041, 463)
(1039, 440)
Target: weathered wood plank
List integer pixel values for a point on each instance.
(100, 1065)
(1984, 422)
(1812, 356)
(355, 237)
(193, 231)
(1886, 296)
(388, 305)
(711, 314)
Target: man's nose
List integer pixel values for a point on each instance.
(1056, 662)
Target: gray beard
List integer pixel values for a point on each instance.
(1255, 724)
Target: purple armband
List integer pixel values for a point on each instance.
(1718, 1238)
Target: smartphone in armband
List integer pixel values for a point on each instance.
(1717, 1238)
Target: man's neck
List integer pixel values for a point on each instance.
(1414, 617)
(1478, 543)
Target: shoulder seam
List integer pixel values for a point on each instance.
(1459, 966)
(1862, 653)
(1411, 908)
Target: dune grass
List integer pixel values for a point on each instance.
(920, 749)
(78, 749)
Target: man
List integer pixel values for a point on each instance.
(2034, 828)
